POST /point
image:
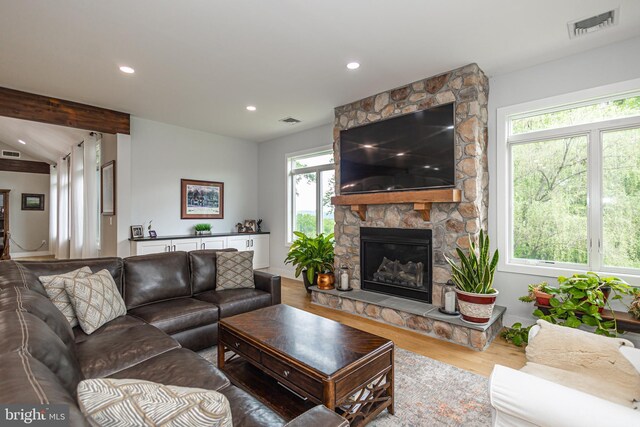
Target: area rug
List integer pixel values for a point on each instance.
(430, 393)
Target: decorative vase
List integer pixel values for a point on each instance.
(476, 308)
(307, 285)
(326, 281)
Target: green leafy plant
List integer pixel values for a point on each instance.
(202, 227)
(539, 287)
(476, 271)
(314, 254)
(516, 334)
(580, 299)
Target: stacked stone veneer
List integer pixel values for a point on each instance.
(473, 337)
(451, 222)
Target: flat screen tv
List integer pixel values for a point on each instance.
(409, 152)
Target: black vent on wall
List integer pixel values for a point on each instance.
(290, 120)
(593, 24)
(11, 154)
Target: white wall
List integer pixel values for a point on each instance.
(272, 186)
(28, 228)
(598, 67)
(162, 154)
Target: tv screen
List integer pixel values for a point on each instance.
(413, 151)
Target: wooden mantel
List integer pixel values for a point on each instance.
(421, 199)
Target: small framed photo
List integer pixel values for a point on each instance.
(136, 232)
(32, 202)
(249, 225)
(152, 234)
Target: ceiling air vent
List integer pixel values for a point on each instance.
(11, 154)
(593, 24)
(289, 120)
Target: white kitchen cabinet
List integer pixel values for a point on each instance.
(213, 243)
(260, 246)
(147, 247)
(186, 245)
(240, 243)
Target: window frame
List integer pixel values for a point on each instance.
(290, 173)
(594, 132)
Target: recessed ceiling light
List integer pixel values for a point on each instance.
(436, 169)
(368, 146)
(449, 127)
(21, 141)
(251, 108)
(353, 65)
(127, 70)
(427, 167)
(400, 154)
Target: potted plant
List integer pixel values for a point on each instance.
(474, 280)
(312, 256)
(540, 293)
(202, 229)
(581, 299)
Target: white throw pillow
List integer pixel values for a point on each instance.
(143, 403)
(95, 299)
(55, 287)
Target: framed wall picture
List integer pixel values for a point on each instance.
(32, 202)
(201, 199)
(108, 188)
(136, 232)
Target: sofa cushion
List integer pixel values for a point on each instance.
(47, 268)
(177, 367)
(247, 411)
(95, 300)
(234, 270)
(154, 278)
(134, 403)
(27, 380)
(122, 322)
(19, 298)
(236, 301)
(107, 353)
(177, 315)
(55, 287)
(23, 332)
(203, 269)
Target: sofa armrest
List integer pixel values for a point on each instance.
(319, 416)
(268, 283)
(536, 401)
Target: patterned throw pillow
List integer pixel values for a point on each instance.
(95, 299)
(54, 285)
(143, 403)
(234, 270)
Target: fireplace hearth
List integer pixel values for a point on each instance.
(396, 261)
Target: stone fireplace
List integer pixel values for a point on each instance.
(445, 218)
(449, 223)
(396, 261)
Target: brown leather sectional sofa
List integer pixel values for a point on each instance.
(173, 310)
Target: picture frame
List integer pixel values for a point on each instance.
(153, 234)
(250, 226)
(201, 199)
(32, 202)
(136, 232)
(108, 188)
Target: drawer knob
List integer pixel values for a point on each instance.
(237, 344)
(286, 373)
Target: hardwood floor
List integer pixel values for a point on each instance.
(481, 362)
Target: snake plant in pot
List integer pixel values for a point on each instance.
(474, 280)
(311, 256)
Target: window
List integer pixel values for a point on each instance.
(311, 184)
(570, 182)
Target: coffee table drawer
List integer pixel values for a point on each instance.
(290, 374)
(240, 345)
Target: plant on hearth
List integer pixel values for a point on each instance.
(540, 292)
(476, 270)
(581, 299)
(311, 255)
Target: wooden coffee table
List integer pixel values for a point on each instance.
(293, 360)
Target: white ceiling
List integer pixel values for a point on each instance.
(200, 62)
(43, 141)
